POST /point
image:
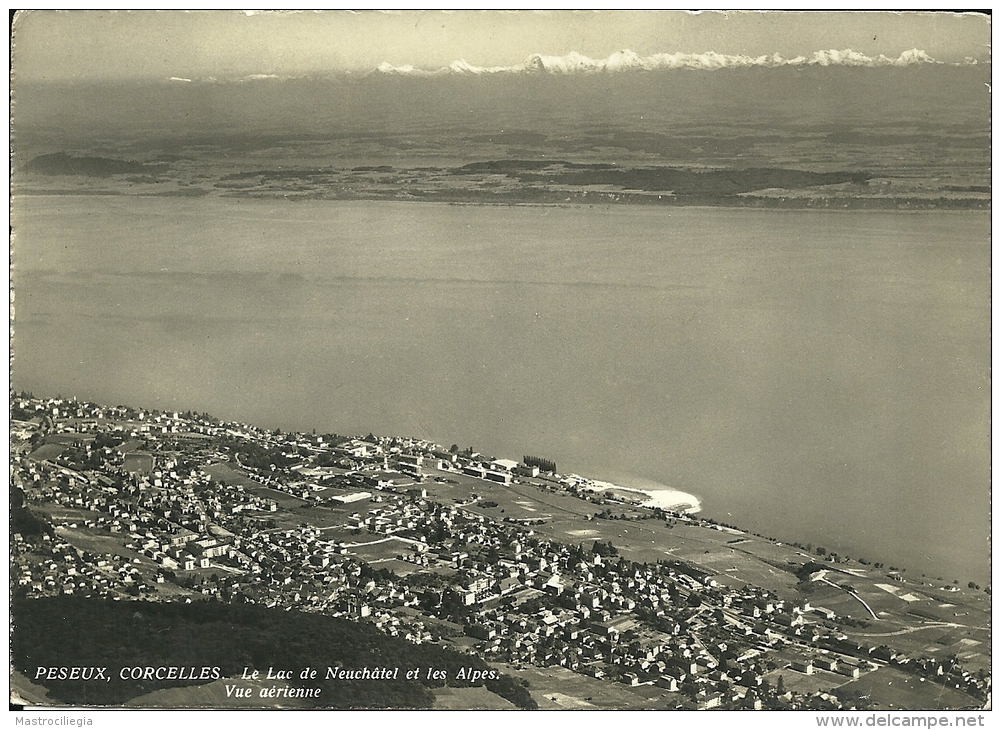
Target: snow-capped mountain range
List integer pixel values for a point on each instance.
(573, 63)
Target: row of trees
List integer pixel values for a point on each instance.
(543, 464)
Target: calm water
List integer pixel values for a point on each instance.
(820, 376)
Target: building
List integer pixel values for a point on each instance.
(802, 665)
(410, 463)
(361, 449)
(710, 701)
(503, 465)
(501, 477)
(830, 663)
(352, 497)
(523, 470)
(849, 668)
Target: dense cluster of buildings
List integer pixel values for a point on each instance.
(137, 485)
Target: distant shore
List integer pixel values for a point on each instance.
(843, 204)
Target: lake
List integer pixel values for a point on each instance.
(817, 376)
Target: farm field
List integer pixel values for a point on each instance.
(379, 548)
(136, 462)
(59, 513)
(521, 501)
(970, 642)
(556, 688)
(47, 452)
(819, 681)
(469, 698)
(892, 689)
(227, 473)
(322, 517)
(400, 567)
(66, 439)
(86, 539)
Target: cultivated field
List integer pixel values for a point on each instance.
(892, 689)
(231, 475)
(375, 547)
(556, 688)
(47, 452)
(469, 698)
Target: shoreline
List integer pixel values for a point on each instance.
(666, 498)
(890, 206)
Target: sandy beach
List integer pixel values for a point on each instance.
(665, 498)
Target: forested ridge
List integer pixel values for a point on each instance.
(67, 631)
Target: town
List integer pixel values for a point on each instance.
(544, 576)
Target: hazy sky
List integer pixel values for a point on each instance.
(62, 45)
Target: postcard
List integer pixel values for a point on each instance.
(500, 360)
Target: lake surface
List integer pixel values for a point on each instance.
(816, 376)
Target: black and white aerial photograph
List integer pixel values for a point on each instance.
(500, 360)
